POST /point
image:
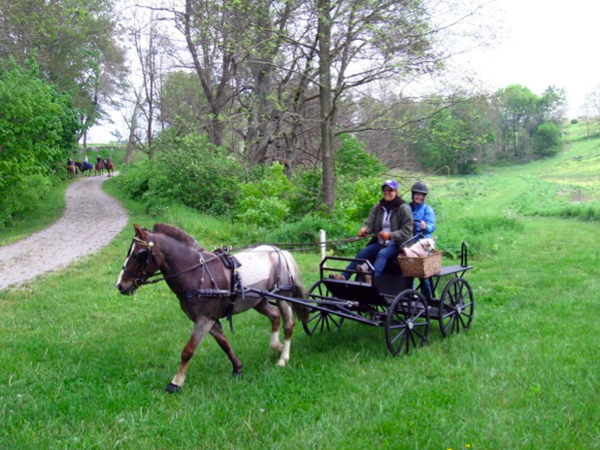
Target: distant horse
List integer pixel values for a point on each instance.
(110, 167)
(98, 168)
(83, 168)
(72, 171)
(208, 290)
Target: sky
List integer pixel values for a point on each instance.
(544, 44)
(541, 44)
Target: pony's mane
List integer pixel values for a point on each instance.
(178, 234)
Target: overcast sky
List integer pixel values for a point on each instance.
(541, 44)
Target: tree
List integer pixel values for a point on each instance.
(75, 45)
(278, 75)
(517, 106)
(592, 103)
(456, 137)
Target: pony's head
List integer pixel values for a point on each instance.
(141, 262)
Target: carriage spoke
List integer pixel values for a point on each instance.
(399, 335)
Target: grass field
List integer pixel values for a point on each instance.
(82, 367)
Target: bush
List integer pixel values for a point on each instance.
(23, 197)
(187, 170)
(38, 126)
(353, 161)
(547, 140)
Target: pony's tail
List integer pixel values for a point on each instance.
(301, 311)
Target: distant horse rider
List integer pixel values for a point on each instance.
(86, 164)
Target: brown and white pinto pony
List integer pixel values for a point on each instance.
(203, 285)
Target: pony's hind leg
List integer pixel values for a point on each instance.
(288, 329)
(266, 309)
(202, 326)
(217, 333)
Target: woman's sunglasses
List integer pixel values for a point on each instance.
(387, 189)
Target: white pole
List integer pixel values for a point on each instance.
(323, 241)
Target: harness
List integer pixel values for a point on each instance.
(229, 262)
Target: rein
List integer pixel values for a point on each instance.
(306, 246)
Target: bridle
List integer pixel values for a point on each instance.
(144, 255)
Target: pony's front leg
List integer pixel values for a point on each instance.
(217, 333)
(201, 329)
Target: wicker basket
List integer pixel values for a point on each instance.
(421, 267)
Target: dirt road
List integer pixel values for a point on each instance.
(92, 218)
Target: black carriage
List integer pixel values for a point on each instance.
(404, 305)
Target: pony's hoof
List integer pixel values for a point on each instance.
(173, 388)
(236, 373)
(281, 363)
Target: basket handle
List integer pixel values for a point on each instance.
(464, 254)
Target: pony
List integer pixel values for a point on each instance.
(422, 248)
(72, 171)
(84, 167)
(209, 290)
(110, 167)
(98, 168)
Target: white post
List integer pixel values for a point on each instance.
(323, 241)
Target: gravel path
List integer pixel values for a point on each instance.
(92, 218)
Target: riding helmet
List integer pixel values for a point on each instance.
(419, 187)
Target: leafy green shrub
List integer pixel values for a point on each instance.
(265, 202)
(23, 197)
(547, 140)
(187, 170)
(134, 179)
(352, 159)
(38, 125)
(305, 194)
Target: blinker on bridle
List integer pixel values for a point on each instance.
(143, 257)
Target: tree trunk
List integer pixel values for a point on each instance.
(132, 127)
(326, 103)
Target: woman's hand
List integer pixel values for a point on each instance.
(362, 232)
(385, 235)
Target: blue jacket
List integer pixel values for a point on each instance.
(423, 212)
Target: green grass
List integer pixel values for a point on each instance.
(85, 368)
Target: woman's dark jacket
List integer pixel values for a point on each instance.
(401, 222)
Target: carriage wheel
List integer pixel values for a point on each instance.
(407, 322)
(321, 321)
(456, 307)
